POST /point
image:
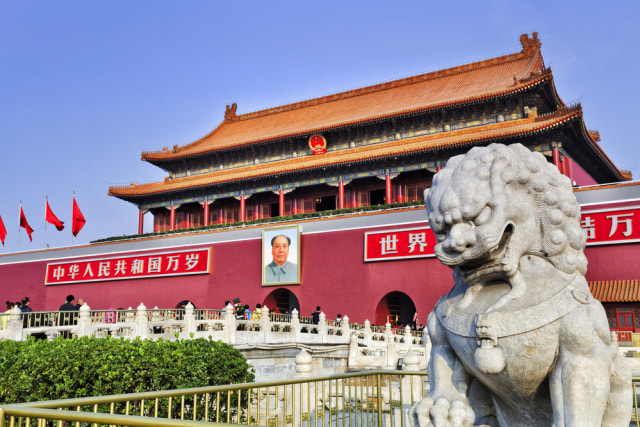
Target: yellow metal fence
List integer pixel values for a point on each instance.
(355, 399)
(376, 398)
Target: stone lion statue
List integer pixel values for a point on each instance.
(519, 340)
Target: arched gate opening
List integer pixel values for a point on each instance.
(396, 308)
(282, 301)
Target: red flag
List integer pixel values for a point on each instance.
(52, 219)
(24, 224)
(78, 219)
(3, 231)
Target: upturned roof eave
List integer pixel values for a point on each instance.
(614, 172)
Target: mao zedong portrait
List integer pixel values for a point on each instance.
(280, 270)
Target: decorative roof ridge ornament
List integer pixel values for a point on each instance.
(530, 45)
(530, 48)
(230, 113)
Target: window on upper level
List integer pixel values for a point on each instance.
(625, 318)
(413, 192)
(197, 219)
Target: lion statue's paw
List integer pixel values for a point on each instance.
(441, 413)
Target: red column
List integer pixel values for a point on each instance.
(220, 215)
(556, 159)
(242, 206)
(140, 221)
(387, 179)
(206, 212)
(256, 210)
(341, 195)
(569, 169)
(172, 218)
(281, 203)
(399, 193)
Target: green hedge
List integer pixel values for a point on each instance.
(66, 368)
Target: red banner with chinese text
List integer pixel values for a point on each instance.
(601, 227)
(399, 244)
(604, 227)
(162, 264)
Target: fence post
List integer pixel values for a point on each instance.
(411, 384)
(230, 324)
(346, 328)
(303, 363)
(353, 351)
(391, 345)
(189, 320)
(367, 332)
(14, 326)
(322, 327)
(265, 324)
(295, 325)
(142, 323)
(84, 322)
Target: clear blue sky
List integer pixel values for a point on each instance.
(86, 86)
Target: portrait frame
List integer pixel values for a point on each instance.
(270, 273)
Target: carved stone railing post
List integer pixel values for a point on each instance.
(295, 325)
(411, 382)
(230, 325)
(322, 328)
(353, 350)
(391, 345)
(303, 363)
(142, 323)
(84, 321)
(388, 333)
(303, 369)
(14, 326)
(189, 320)
(265, 324)
(367, 332)
(346, 329)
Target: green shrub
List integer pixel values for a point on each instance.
(66, 368)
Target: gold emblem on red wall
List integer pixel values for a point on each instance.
(318, 144)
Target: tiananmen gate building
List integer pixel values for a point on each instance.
(341, 177)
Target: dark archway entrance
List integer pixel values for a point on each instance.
(282, 301)
(396, 308)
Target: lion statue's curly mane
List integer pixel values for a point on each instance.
(519, 340)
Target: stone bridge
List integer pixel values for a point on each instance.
(271, 341)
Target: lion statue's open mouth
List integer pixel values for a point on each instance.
(491, 265)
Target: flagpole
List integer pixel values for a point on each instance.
(46, 199)
(19, 227)
(74, 197)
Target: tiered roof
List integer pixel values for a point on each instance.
(465, 84)
(450, 88)
(505, 131)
